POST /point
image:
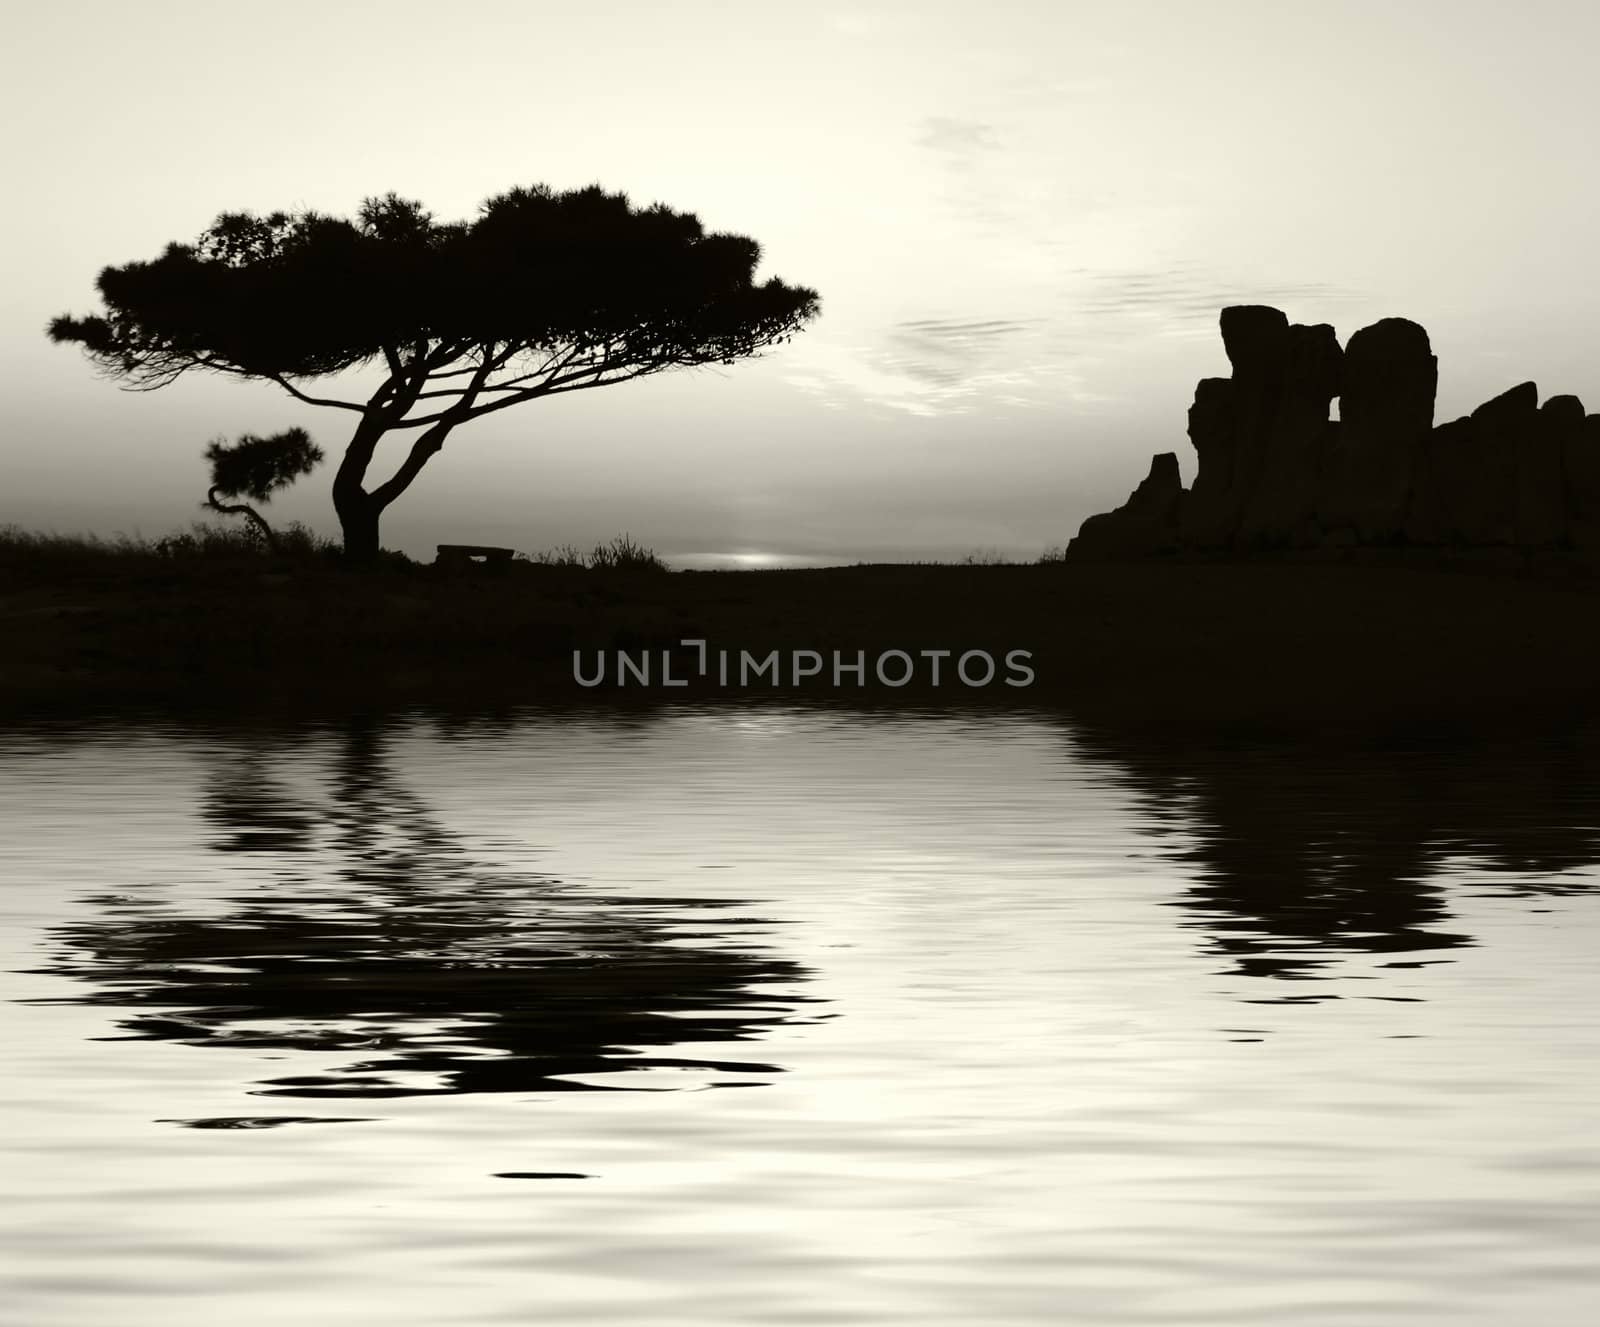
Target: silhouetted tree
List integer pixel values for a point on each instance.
(544, 292)
(256, 468)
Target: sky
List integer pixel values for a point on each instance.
(1022, 218)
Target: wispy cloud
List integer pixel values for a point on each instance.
(949, 351)
(940, 366)
(1187, 298)
(959, 142)
(951, 365)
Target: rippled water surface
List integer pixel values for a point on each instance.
(777, 1016)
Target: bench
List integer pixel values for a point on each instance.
(468, 555)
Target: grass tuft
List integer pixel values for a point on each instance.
(44, 551)
(623, 553)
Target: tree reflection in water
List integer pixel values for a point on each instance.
(376, 941)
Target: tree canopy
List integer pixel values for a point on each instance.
(257, 467)
(542, 293)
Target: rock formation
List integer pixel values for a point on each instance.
(1146, 523)
(1275, 471)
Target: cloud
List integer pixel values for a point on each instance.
(941, 366)
(837, 372)
(959, 142)
(1188, 298)
(1054, 356)
(948, 351)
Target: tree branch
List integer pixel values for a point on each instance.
(429, 443)
(571, 383)
(312, 400)
(255, 518)
(422, 450)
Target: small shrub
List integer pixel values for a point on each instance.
(256, 468)
(202, 540)
(297, 540)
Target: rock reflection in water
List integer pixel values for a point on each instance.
(1302, 852)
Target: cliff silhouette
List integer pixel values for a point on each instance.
(1276, 471)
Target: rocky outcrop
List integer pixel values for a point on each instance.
(1275, 471)
(1262, 435)
(1580, 476)
(1146, 523)
(1291, 464)
(1385, 416)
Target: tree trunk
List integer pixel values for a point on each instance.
(256, 519)
(358, 519)
(358, 513)
(358, 509)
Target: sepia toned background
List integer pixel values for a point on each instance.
(1022, 219)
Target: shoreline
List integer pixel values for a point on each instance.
(1290, 638)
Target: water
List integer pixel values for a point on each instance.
(777, 1016)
